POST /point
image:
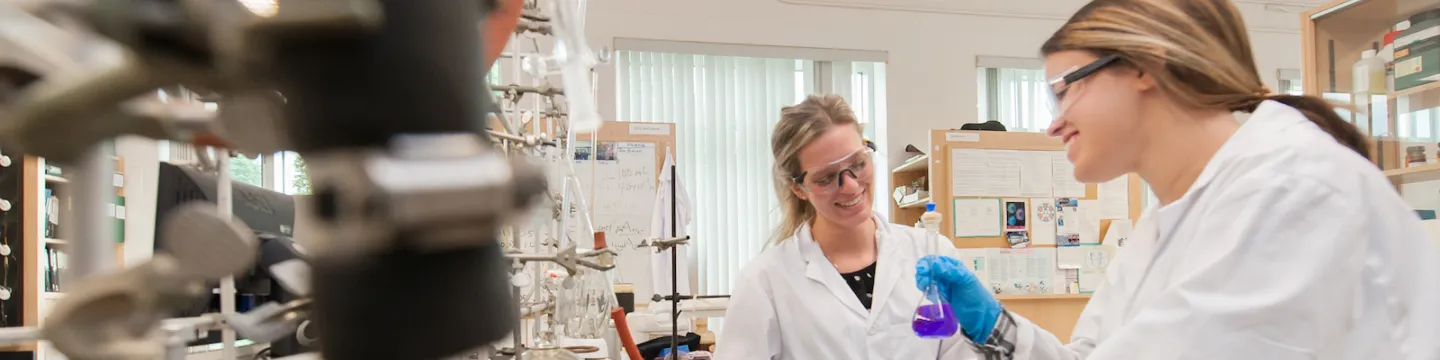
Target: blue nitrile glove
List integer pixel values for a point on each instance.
(974, 307)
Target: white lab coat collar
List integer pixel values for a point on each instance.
(1270, 117)
(819, 268)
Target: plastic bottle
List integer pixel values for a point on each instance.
(1369, 74)
(1368, 82)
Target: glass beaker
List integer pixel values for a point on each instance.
(933, 319)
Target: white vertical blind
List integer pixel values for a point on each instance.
(1021, 99)
(725, 108)
(867, 100)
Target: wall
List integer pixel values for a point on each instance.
(142, 165)
(931, 65)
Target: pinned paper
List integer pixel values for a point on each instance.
(1116, 231)
(1018, 239)
(1088, 228)
(1114, 198)
(1068, 221)
(1021, 271)
(1015, 215)
(1092, 267)
(976, 217)
(1070, 257)
(1042, 221)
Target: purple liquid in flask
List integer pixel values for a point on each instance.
(934, 321)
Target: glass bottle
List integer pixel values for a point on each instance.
(933, 319)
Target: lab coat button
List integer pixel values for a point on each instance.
(874, 330)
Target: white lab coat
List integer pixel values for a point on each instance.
(1288, 246)
(791, 304)
(660, 228)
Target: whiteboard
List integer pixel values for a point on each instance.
(624, 193)
(618, 181)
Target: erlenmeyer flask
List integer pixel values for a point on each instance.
(933, 319)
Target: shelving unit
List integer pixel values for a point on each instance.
(913, 169)
(1333, 37)
(39, 298)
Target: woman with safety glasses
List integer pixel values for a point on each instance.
(1273, 239)
(837, 283)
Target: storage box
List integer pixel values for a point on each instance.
(1417, 51)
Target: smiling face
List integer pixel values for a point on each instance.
(1099, 116)
(838, 177)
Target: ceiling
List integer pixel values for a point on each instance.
(1260, 15)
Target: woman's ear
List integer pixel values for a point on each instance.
(799, 193)
(1146, 82)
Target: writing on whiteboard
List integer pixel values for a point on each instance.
(624, 191)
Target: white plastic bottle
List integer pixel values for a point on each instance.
(930, 221)
(1369, 74)
(1368, 89)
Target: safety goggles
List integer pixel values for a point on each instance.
(1061, 85)
(830, 178)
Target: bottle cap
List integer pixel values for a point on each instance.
(929, 207)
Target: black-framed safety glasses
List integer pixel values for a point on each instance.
(1060, 85)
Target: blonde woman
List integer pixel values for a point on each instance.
(1276, 239)
(838, 281)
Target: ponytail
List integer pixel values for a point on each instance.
(1323, 114)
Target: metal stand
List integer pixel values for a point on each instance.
(674, 270)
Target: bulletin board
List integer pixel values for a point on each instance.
(944, 144)
(1056, 313)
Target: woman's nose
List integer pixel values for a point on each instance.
(1055, 125)
(849, 182)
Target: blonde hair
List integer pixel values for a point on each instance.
(1198, 51)
(799, 125)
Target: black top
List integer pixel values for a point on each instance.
(862, 282)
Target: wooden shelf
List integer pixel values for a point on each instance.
(50, 241)
(1422, 89)
(55, 179)
(916, 204)
(1042, 297)
(921, 163)
(50, 295)
(1414, 174)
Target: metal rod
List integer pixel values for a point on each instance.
(544, 90)
(674, 272)
(533, 15)
(19, 335)
(93, 248)
(533, 26)
(225, 200)
(580, 206)
(521, 139)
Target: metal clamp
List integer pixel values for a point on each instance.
(661, 245)
(443, 191)
(567, 258)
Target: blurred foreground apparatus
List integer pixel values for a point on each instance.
(385, 99)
